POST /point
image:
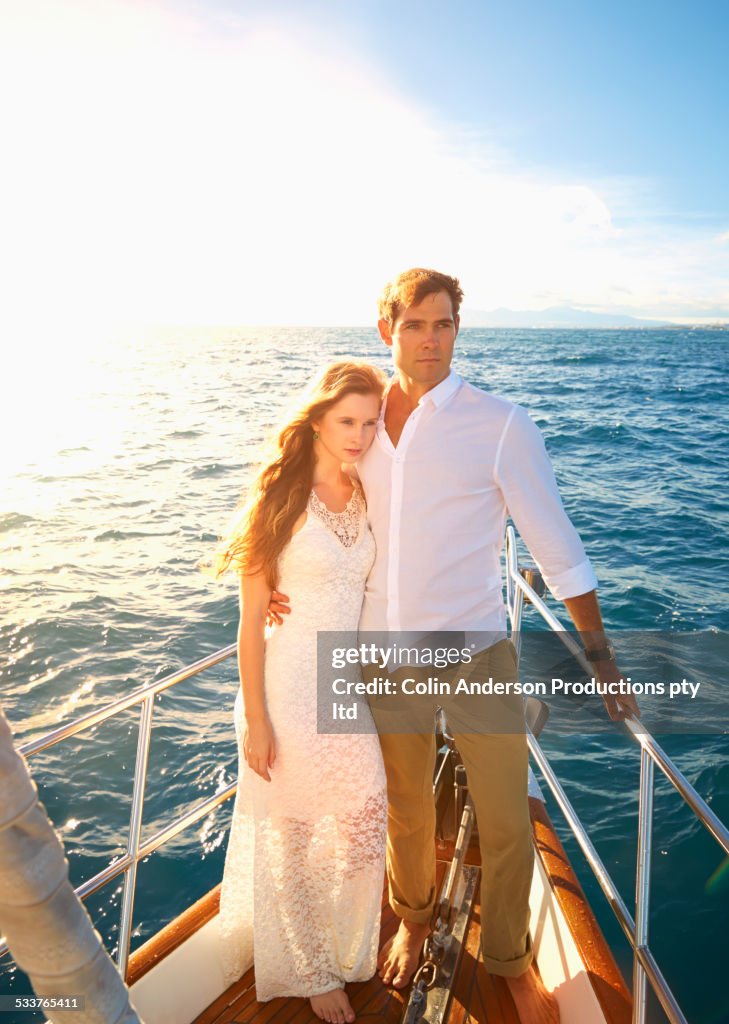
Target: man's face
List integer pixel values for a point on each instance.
(422, 339)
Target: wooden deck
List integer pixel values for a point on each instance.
(478, 997)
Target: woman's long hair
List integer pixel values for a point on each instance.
(280, 493)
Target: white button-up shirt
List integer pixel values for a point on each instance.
(438, 503)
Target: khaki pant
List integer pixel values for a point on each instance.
(497, 768)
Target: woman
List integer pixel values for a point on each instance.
(305, 861)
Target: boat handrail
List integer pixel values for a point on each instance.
(136, 849)
(651, 754)
(142, 693)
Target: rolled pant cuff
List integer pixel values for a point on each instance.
(509, 968)
(408, 914)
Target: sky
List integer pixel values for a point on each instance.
(219, 162)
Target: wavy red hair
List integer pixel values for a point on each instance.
(264, 524)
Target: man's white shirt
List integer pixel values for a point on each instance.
(438, 503)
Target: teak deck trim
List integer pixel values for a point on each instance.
(172, 935)
(607, 982)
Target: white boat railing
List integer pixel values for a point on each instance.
(136, 849)
(645, 967)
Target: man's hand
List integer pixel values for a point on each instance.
(259, 748)
(623, 705)
(277, 606)
(585, 613)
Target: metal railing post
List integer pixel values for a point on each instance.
(643, 881)
(135, 830)
(708, 818)
(510, 560)
(514, 595)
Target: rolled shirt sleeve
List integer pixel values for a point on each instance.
(524, 473)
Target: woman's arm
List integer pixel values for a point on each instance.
(258, 741)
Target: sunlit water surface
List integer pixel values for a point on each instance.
(108, 508)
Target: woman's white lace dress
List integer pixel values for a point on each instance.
(305, 863)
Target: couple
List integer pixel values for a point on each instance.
(411, 541)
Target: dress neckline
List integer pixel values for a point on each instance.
(345, 525)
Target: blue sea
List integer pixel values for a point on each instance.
(112, 498)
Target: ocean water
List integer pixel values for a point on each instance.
(112, 498)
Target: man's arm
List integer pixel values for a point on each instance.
(585, 613)
(525, 476)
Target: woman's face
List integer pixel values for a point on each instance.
(347, 429)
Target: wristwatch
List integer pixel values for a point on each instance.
(605, 653)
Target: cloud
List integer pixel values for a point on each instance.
(173, 173)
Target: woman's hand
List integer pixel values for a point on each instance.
(259, 748)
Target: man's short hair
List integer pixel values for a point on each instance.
(411, 287)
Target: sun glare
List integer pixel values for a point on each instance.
(176, 170)
(56, 398)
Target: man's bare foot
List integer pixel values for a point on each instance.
(399, 958)
(534, 1004)
(333, 1006)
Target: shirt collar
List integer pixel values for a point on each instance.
(442, 391)
(436, 395)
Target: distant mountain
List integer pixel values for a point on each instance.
(555, 316)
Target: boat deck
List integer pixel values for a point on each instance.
(477, 996)
(584, 976)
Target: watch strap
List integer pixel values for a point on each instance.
(604, 653)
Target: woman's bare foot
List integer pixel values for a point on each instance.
(399, 958)
(532, 1000)
(333, 1006)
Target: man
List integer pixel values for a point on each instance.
(448, 463)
